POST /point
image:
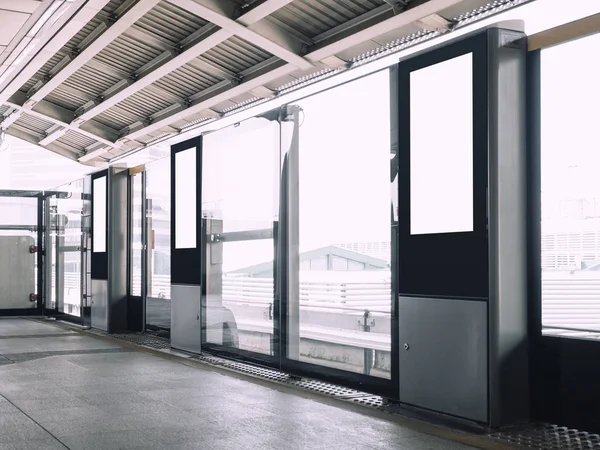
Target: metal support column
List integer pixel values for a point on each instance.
(289, 234)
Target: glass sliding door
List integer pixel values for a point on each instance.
(341, 277)
(297, 227)
(240, 188)
(158, 253)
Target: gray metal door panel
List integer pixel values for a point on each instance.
(17, 272)
(443, 355)
(185, 318)
(100, 304)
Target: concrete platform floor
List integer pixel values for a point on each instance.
(64, 389)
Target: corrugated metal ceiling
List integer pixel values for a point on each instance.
(179, 68)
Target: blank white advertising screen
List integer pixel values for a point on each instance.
(185, 199)
(441, 147)
(99, 238)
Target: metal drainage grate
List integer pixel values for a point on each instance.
(550, 437)
(321, 387)
(144, 339)
(373, 401)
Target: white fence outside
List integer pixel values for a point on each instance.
(569, 300)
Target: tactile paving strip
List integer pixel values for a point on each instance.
(550, 437)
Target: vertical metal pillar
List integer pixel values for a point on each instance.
(212, 289)
(148, 250)
(289, 235)
(60, 263)
(40, 252)
(508, 322)
(144, 252)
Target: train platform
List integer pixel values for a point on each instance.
(62, 388)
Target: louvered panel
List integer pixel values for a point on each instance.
(102, 15)
(43, 72)
(144, 103)
(186, 81)
(170, 23)
(91, 81)
(76, 140)
(117, 118)
(312, 18)
(236, 55)
(30, 83)
(127, 54)
(65, 97)
(34, 124)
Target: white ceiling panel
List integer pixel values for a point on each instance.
(12, 22)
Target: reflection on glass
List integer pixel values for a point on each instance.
(239, 191)
(158, 194)
(441, 147)
(136, 235)
(185, 199)
(18, 225)
(66, 210)
(99, 204)
(570, 164)
(344, 253)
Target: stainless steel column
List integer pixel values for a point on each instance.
(508, 343)
(109, 266)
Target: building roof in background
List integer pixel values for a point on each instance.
(332, 250)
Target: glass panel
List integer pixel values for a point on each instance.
(239, 192)
(345, 229)
(185, 199)
(158, 194)
(66, 212)
(441, 147)
(18, 225)
(136, 235)
(100, 205)
(570, 192)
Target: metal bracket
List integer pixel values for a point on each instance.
(369, 323)
(215, 238)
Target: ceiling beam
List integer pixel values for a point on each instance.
(70, 29)
(171, 64)
(53, 134)
(93, 48)
(24, 135)
(58, 115)
(255, 80)
(410, 15)
(209, 10)
(267, 76)
(263, 10)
